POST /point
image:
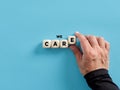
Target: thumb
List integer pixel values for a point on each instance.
(76, 52)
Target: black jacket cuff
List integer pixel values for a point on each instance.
(93, 74)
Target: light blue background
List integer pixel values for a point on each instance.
(25, 65)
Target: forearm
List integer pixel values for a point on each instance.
(100, 80)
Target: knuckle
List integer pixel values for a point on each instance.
(108, 43)
(91, 36)
(101, 38)
(91, 55)
(96, 47)
(94, 36)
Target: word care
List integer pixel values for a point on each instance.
(59, 43)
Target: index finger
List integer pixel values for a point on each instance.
(85, 45)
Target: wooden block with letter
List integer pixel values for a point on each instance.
(71, 40)
(46, 43)
(55, 44)
(63, 43)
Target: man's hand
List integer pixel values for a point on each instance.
(95, 53)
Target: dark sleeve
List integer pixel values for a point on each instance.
(100, 80)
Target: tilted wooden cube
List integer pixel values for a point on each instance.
(71, 40)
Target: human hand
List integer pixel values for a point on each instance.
(94, 55)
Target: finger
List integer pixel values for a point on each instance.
(92, 40)
(101, 42)
(76, 52)
(107, 45)
(85, 45)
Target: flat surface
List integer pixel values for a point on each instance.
(24, 65)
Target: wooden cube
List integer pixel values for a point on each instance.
(46, 43)
(63, 43)
(55, 44)
(71, 40)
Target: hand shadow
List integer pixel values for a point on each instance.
(73, 80)
(71, 77)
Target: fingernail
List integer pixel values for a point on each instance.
(76, 32)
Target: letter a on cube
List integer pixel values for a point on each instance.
(55, 44)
